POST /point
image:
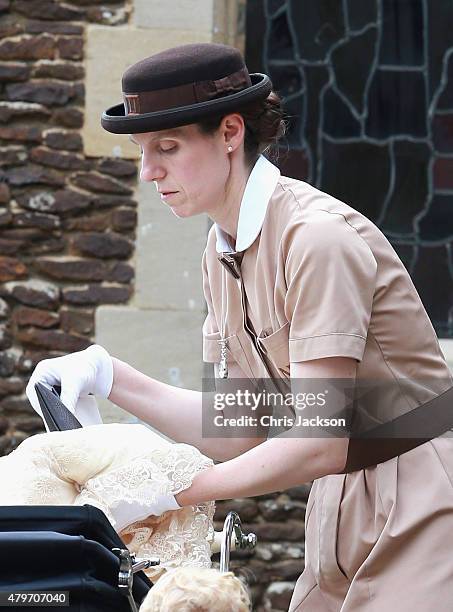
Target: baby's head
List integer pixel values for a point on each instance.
(193, 589)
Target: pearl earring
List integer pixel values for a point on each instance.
(230, 148)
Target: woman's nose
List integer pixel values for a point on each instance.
(150, 170)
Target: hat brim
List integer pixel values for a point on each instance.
(115, 120)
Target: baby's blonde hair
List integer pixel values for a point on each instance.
(193, 589)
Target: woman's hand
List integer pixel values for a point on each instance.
(125, 512)
(78, 374)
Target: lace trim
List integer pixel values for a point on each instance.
(178, 537)
(42, 472)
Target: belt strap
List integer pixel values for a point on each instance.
(386, 441)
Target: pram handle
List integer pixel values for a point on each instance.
(232, 525)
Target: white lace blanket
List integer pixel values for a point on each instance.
(104, 464)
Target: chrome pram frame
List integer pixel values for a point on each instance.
(129, 565)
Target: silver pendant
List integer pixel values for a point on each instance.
(223, 366)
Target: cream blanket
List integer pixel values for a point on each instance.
(104, 464)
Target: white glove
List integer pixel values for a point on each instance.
(127, 512)
(78, 374)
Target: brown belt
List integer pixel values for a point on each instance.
(386, 441)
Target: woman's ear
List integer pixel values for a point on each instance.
(232, 129)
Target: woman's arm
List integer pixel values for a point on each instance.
(175, 412)
(282, 462)
(275, 465)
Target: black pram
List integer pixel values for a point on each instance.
(66, 549)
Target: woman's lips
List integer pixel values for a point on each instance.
(167, 194)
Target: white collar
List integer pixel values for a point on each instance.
(260, 186)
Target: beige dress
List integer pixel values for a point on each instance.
(310, 277)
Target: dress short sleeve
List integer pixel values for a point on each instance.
(211, 334)
(331, 277)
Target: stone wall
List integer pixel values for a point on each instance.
(67, 221)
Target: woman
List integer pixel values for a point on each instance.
(299, 287)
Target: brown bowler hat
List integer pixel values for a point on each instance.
(183, 85)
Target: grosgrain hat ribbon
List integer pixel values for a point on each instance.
(184, 95)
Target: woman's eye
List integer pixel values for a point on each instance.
(168, 149)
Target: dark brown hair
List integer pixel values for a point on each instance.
(264, 125)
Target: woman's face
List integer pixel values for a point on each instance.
(190, 169)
